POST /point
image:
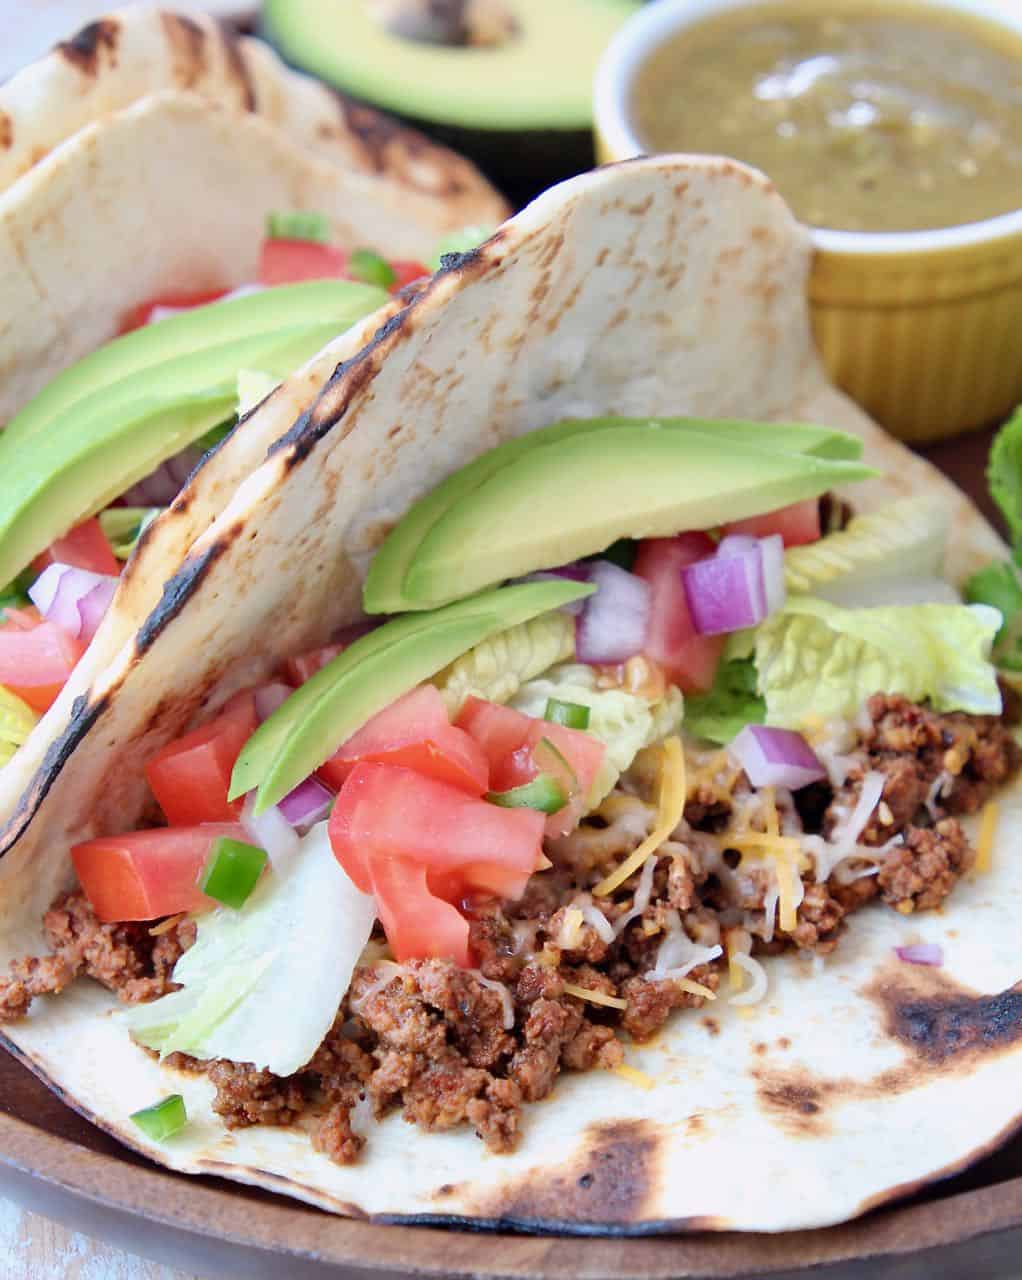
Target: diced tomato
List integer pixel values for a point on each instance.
(36, 657)
(85, 547)
(147, 874)
(297, 670)
(291, 261)
(508, 739)
(406, 272)
(418, 924)
(387, 812)
(191, 776)
(414, 732)
(797, 524)
(688, 658)
(139, 316)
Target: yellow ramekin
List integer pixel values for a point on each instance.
(922, 328)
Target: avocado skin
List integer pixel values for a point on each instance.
(371, 674)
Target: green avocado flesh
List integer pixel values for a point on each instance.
(540, 77)
(337, 303)
(386, 588)
(572, 498)
(91, 434)
(370, 674)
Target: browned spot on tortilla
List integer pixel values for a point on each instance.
(448, 1189)
(759, 1048)
(944, 1028)
(83, 49)
(943, 1025)
(784, 1043)
(238, 67)
(6, 131)
(794, 1101)
(643, 206)
(712, 1026)
(187, 42)
(611, 1178)
(695, 1125)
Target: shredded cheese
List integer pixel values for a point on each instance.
(571, 930)
(594, 997)
(735, 972)
(634, 1076)
(695, 988)
(758, 989)
(670, 810)
(165, 926)
(985, 840)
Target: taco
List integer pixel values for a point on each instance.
(579, 703)
(135, 303)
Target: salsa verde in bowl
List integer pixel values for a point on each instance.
(894, 131)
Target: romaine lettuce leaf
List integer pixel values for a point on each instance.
(880, 556)
(264, 984)
(497, 668)
(729, 706)
(998, 585)
(816, 658)
(624, 722)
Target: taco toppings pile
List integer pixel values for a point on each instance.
(635, 704)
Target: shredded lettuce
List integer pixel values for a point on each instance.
(816, 658)
(123, 526)
(729, 706)
(253, 387)
(881, 557)
(17, 720)
(264, 984)
(497, 668)
(624, 722)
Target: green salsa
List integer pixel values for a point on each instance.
(867, 117)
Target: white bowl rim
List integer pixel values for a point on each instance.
(648, 27)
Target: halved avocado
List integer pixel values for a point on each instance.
(519, 103)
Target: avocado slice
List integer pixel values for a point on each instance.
(370, 674)
(384, 586)
(332, 303)
(519, 105)
(577, 495)
(63, 470)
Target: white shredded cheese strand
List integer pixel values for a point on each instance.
(389, 970)
(640, 902)
(592, 915)
(843, 842)
(757, 989)
(502, 991)
(678, 955)
(939, 788)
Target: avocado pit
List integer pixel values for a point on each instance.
(457, 23)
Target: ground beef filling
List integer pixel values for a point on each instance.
(450, 1047)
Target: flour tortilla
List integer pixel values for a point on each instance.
(142, 157)
(668, 285)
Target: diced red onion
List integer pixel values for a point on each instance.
(612, 625)
(725, 592)
(160, 487)
(270, 831)
(162, 313)
(269, 697)
(924, 953)
(776, 757)
(737, 544)
(308, 804)
(577, 571)
(776, 589)
(75, 599)
(355, 631)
